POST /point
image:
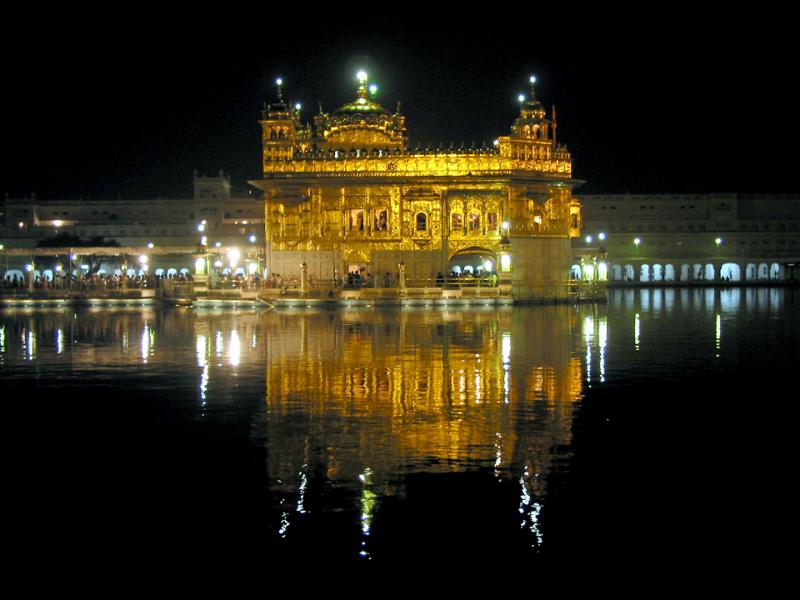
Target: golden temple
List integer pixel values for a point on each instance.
(347, 194)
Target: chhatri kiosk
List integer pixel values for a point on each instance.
(347, 194)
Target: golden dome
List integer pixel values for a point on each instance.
(362, 125)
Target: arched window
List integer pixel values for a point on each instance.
(474, 221)
(456, 221)
(422, 222)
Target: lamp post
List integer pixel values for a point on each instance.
(636, 242)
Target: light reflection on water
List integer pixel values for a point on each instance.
(348, 405)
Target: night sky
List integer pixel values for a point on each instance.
(95, 112)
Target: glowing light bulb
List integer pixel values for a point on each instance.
(533, 79)
(373, 89)
(362, 76)
(279, 81)
(298, 106)
(521, 97)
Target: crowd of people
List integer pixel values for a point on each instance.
(91, 282)
(352, 280)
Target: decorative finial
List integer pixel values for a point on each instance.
(279, 83)
(533, 88)
(362, 80)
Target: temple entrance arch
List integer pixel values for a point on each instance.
(355, 261)
(479, 261)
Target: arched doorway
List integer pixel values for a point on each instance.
(774, 271)
(474, 260)
(658, 273)
(730, 272)
(751, 272)
(697, 272)
(709, 272)
(602, 271)
(669, 273)
(630, 274)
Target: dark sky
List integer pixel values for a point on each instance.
(91, 110)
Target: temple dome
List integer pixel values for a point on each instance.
(361, 125)
(362, 106)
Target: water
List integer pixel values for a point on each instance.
(541, 436)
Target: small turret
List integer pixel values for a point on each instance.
(280, 125)
(531, 123)
(533, 135)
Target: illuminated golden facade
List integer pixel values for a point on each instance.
(348, 194)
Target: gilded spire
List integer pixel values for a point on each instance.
(279, 84)
(362, 87)
(533, 88)
(530, 107)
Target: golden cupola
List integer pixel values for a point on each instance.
(532, 123)
(533, 135)
(361, 126)
(282, 132)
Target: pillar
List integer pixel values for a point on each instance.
(303, 277)
(401, 280)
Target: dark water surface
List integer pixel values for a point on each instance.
(540, 436)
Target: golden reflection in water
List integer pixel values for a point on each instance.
(367, 396)
(595, 335)
(147, 338)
